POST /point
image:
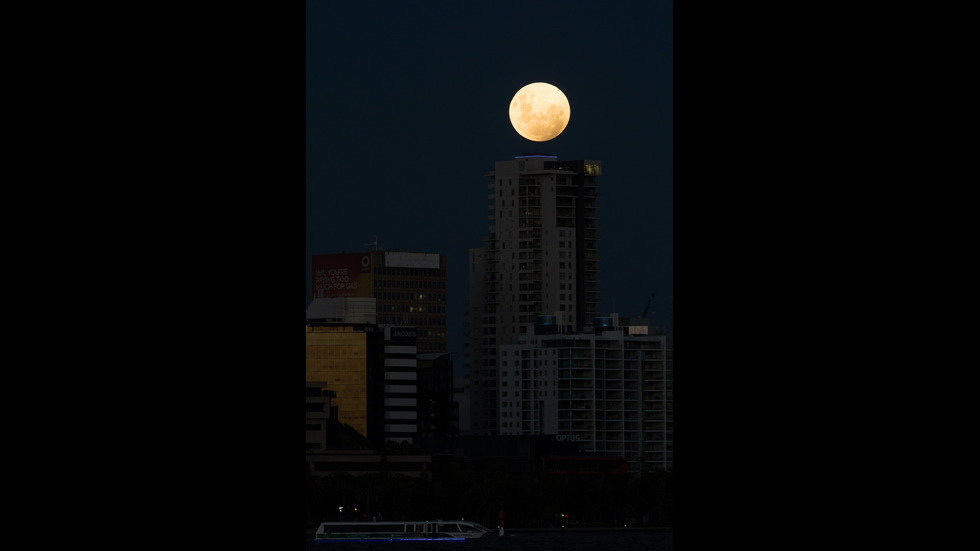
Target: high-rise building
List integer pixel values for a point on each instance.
(371, 370)
(410, 288)
(607, 390)
(398, 386)
(379, 383)
(438, 411)
(344, 358)
(541, 258)
(319, 411)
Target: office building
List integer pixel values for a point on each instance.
(319, 412)
(399, 385)
(370, 370)
(409, 289)
(438, 411)
(541, 258)
(379, 382)
(345, 357)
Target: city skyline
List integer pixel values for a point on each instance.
(407, 112)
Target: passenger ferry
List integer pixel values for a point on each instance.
(409, 530)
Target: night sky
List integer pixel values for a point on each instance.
(406, 111)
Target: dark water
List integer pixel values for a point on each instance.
(628, 540)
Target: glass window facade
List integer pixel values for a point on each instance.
(338, 355)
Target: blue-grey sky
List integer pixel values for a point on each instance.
(406, 111)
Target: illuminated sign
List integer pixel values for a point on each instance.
(342, 275)
(401, 334)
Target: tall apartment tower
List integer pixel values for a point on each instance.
(607, 390)
(541, 258)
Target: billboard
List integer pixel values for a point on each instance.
(342, 275)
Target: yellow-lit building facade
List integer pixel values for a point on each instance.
(339, 356)
(370, 371)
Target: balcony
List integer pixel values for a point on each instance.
(585, 352)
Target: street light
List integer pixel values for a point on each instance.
(341, 509)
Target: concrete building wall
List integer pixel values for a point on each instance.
(541, 258)
(609, 392)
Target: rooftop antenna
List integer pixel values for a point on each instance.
(375, 243)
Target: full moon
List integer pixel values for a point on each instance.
(539, 111)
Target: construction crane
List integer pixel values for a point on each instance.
(647, 307)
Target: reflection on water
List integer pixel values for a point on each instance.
(627, 540)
